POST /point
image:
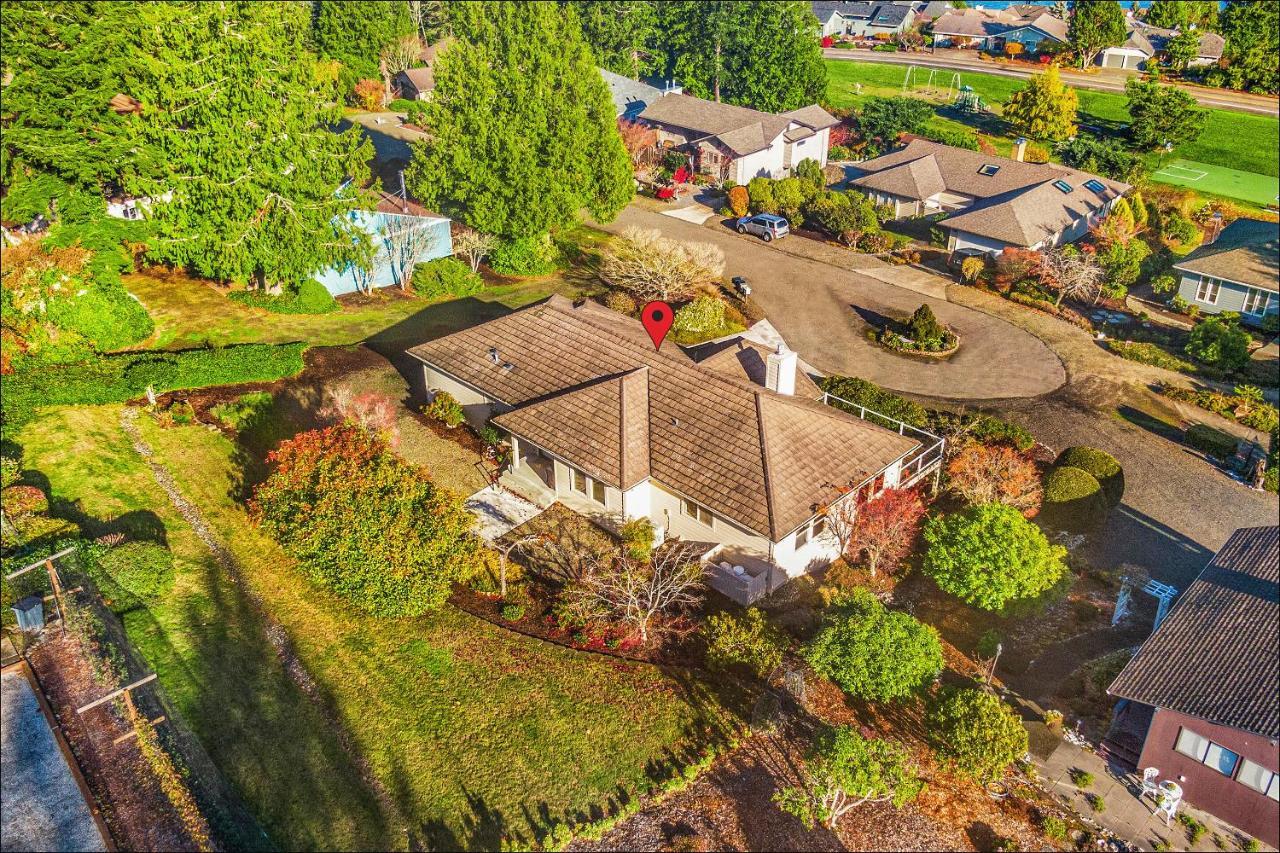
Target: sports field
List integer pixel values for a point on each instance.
(1219, 180)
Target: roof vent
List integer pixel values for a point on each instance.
(988, 169)
(493, 355)
(675, 422)
(508, 366)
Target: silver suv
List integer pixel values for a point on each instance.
(766, 225)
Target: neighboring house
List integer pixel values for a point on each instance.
(404, 234)
(992, 29)
(1206, 680)
(1143, 42)
(630, 97)
(736, 451)
(1239, 271)
(866, 20)
(416, 84)
(991, 202)
(732, 143)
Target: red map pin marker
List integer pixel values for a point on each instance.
(657, 318)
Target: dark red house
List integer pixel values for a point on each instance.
(1209, 680)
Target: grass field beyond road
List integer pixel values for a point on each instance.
(1248, 142)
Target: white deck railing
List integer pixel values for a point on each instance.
(922, 461)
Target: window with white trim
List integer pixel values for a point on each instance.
(696, 511)
(1256, 301)
(1207, 290)
(1207, 752)
(812, 530)
(1255, 776)
(586, 486)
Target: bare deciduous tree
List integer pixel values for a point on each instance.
(650, 266)
(618, 588)
(473, 245)
(1072, 273)
(401, 55)
(505, 550)
(409, 240)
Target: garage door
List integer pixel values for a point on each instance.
(1113, 60)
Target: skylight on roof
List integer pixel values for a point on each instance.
(1095, 186)
(988, 169)
(1062, 186)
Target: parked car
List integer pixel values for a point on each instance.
(765, 225)
(741, 286)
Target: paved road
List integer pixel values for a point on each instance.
(824, 312)
(1238, 101)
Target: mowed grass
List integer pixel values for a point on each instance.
(1219, 180)
(476, 733)
(205, 643)
(1245, 141)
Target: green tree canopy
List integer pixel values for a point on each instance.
(975, 733)
(355, 34)
(1095, 25)
(989, 556)
(885, 119)
(1162, 114)
(621, 34)
(1106, 157)
(1252, 31)
(1169, 14)
(873, 652)
(523, 134)
(764, 54)
(1045, 108)
(238, 117)
(1183, 49)
(1220, 342)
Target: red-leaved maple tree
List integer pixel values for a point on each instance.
(885, 529)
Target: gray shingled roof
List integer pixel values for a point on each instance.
(1215, 656)
(743, 130)
(1018, 204)
(763, 460)
(880, 14)
(1247, 251)
(629, 96)
(984, 23)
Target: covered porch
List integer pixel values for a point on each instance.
(543, 480)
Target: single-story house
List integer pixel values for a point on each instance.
(1239, 271)
(990, 202)
(1206, 682)
(630, 97)
(737, 451)
(416, 84)
(867, 20)
(1142, 42)
(732, 143)
(992, 29)
(404, 234)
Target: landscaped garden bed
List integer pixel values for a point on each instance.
(920, 334)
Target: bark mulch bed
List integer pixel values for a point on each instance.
(135, 808)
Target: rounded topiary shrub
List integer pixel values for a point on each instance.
(524, 256)
(1073, 500)
(143, 570)
(1102, 465)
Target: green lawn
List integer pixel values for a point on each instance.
(474, 733)
(1248, 142)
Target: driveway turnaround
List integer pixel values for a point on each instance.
(825, 312)
(41, 806)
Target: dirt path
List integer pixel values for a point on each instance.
(275, 633)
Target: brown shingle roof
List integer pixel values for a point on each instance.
(1247, 251)
(762, 460)
(1216, 656)
(742, 130)
(1018, 204)
(746, 360)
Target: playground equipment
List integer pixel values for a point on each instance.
(969, 102)
(933, 84)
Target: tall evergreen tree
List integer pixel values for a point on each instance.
(233, 112)
(1170, 14)
(1252, 31)
(763, 54)
(620, 34)
(1162, 114)
(523, 134)
(1095, 25)
(355, 32)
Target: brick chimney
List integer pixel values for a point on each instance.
(1213, 229)
(1020, 148)
(780, 371)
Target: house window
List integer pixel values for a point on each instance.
(1206, 752)
(1256, 301)
(1062, 186)
(586, 486)
(1095, 186)
(1259, 778)
(597, 491)
(1207, 290)
(696, 511)
(988, 169)
(812, 530)
(579, 482)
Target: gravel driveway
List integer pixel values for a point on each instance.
(825, 312)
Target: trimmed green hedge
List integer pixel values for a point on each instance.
(117, 378)
(1213, 442)
(1102, 465)
(860, 392)
(445, 277)
(311, 298)
(1073, 500)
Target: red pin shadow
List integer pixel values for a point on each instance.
(657, 318)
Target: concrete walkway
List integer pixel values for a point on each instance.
(1127, 814)
(497, 511)
(825, 299)
(695, 213)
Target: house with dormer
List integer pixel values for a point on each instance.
(738, 450)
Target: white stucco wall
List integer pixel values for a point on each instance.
(637, 500)
(760, 164)
(664, 511)
(477, 407)
(816, 554)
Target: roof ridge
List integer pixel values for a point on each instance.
(765, 468)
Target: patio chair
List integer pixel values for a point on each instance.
(1151, 782)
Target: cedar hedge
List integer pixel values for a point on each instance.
(1073, 500)
(1102, 465)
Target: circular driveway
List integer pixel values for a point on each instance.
(825, 311)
